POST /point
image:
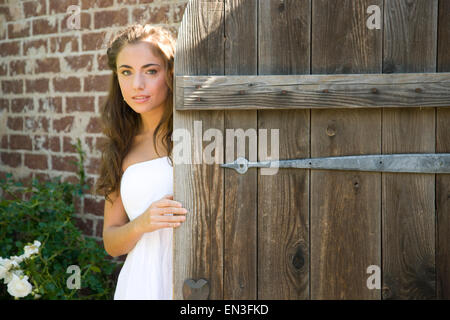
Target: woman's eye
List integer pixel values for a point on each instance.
(152, 71)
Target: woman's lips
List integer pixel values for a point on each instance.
(141, 99)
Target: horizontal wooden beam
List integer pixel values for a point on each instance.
(246, 92)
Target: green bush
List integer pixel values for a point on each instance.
(48, 217)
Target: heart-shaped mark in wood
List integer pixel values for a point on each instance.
(196, 290)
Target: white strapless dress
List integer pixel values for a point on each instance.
(147, 271)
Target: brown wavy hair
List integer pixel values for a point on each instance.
(120, 123)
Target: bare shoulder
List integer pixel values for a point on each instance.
(141, 150)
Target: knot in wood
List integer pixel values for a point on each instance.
(331, 131)
(325, 91)
(418, 90)
(374, 90)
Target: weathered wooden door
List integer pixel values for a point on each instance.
(304, 233)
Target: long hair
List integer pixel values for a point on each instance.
(120, 123)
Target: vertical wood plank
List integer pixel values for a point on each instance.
(198, 244)
(240, 190)
(345, 206)
(283, 198)
(408, 222)
(443, 180)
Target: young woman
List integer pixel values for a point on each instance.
(136, 176)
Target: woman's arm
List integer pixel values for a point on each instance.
(119, 234)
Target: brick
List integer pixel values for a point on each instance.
(35, 47)
(19, 30)
(94, 125)
(151, 14)
(85, 225)
(93, 166)
(4, 104)
(37, 85)
(93, 41)
(80, 63)
(97, 83)
(40, 124)
(8, 49)
(102, 62)
(45, 26)
(60, 6)
(91, 183)
(19, 142)
(5, 11)
(63, 125)
(12, 86)
(68, 145)
(90, 144)
(83, 104)
(99, 227)
(55, 144)
(110, 18)
(43, 177)
(94, 206)
(15, 123)
(47, 65)
(36, 161)
(50, 104)
(88, 4)
(3, 68)
(11, 159)
(70, 84)
(64, 163)
(40, 142)
(178, 12)
(22, 105)
(4, 142)
(34, 8)
(65, 44)
(17, 67)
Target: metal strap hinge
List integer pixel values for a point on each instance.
(413, 162)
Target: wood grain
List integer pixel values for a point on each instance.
(408, 222)
(345, 206)
(240, 235)
(247, 92)
(283, 198)
(198, 243)
(443, 145)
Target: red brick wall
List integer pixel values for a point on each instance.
(53, 81)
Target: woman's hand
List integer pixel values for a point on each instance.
(156, 216)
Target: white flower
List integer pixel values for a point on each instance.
(8, 277)
(3, 272)
(31, 249)
(8, 264)
(18, 287)
(17, 259)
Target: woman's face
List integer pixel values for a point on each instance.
(141, 77)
